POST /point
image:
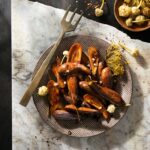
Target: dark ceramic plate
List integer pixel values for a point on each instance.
(89, 126)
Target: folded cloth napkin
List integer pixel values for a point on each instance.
(34, 28)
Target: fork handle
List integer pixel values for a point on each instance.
(37, 78)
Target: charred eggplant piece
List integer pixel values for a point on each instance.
(74, 56)
(107, 77)
(98, 105)
(94, 57)
(71, 108)
(100, 68)
(108, 94)
(85, 104)
(72, 83)
(54, 96)
(72, 68)
(64, 115)
(82, 110)
(68, 99)
(84, 59)
(85, 86)
(88, 111)
(75, 53)
(55, 66)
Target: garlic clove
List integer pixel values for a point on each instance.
(43, 90)
(111, 108)
(65, 53)
(98, 12)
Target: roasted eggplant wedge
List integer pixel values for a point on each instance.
(73, 68)
(85, 104)
(64, 115)
(94, 57)
(74, 56)
(100, 68)
(55, 66)
(108, 94)
(97, 104)
(72, 83)
(107, 77)
(82, 110)
(75, 53)
(68, 99)
(54, 96)
(84, 59)
(88, 111)
(85, 86)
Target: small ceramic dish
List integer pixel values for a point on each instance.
(121, 20)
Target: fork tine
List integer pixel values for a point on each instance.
(65, 15)
(71, 18)
(78, 20)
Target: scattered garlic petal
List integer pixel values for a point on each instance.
(128, 104)
(43, 90)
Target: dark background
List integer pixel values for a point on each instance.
(5, 53)
(108, 17)
(5, 76)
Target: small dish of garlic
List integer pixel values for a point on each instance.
(133, 15)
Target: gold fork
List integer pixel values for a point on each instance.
(67, 26)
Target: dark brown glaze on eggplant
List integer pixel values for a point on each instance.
(81, 110)
(85, 104)
(98, 105)
(73, 68)
(94, 58)
(74, 56)
(54, 96)
(68, 99)
(75, 53)
(85, 86)
(72, 83)
(107, 77)
(100, 68)
(55, 66)
(84, 59)
(108, 94)
(64, 115)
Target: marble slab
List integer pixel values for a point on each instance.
(34, 28)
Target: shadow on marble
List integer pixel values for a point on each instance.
(142, 61)
(122, 131)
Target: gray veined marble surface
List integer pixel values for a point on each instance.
(34, 28)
